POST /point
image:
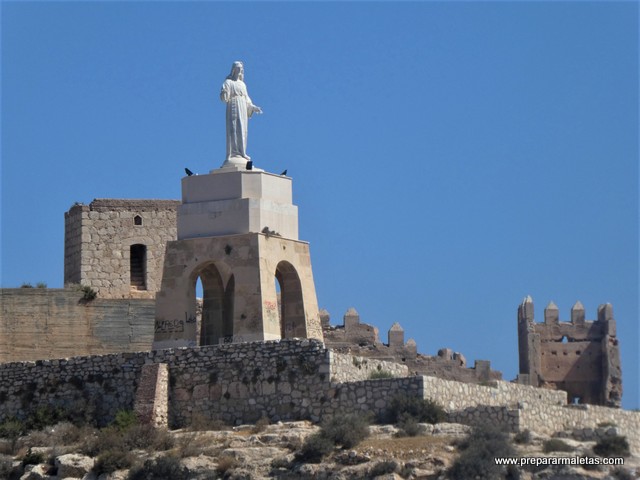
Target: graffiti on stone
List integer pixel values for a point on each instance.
(169, 326)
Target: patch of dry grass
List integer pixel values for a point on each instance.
(405, 447)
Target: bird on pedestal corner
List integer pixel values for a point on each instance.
(284, 173)
(188, 172)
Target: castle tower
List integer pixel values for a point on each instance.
(238, 233)
(117, 246)
(581, 357)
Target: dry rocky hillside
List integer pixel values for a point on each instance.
(345, 449)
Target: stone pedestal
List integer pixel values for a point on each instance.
(238, 233)
(232, 202)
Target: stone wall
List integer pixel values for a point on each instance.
(348, 368)
(549, 419)
(56, 323)
(361, 339)
(286, 379)
(98, 241)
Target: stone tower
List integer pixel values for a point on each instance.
(580, 357)
(238, 233)
(117, 246)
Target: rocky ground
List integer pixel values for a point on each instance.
(269, 451)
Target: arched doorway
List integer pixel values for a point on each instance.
(292, 319)
(216, 322)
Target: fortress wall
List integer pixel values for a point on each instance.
(455, 395)
(282, 379)
(349, 368)
(286, 379)
(548, 419)
(519, 407)
(39, 323)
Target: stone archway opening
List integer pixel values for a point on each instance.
(215, 325)
(291, 304)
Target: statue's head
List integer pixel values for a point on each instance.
(237, 71)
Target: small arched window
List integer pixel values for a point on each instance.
(137, 220)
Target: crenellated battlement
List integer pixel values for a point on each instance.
(579, 356)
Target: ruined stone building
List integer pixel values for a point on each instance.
(580, 357)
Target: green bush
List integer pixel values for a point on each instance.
(167, 467)
(12, 429)
(44, 417)
(41, 285)
(315, 447)
(408, 426)
(88, 293)
(32, 458)
(422, 410)
(346, 430)
(26, 285)
(111, 460)
(556, 445)
(125, 419)
(479, 449)
(343, 430)
(613, 446)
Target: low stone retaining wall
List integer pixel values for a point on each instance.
(349, 368)
(283, 380)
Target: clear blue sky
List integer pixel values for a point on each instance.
(448, 159)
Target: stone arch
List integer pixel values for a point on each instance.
(216, 319)
(292, 317)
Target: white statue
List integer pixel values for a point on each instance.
(239, 110)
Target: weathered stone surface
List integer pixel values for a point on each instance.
(98, 240)
(38, 324)
(580, 357)
(73, 465)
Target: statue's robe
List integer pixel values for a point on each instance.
(239, 110)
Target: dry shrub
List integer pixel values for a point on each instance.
(147, 437)
(613, 446)
(166, 467)
(226, 463)
(478, 451)
(111, 460)
(346, 430)
(556, 445)
(192, 444)
(261, 425)
(200, 423)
